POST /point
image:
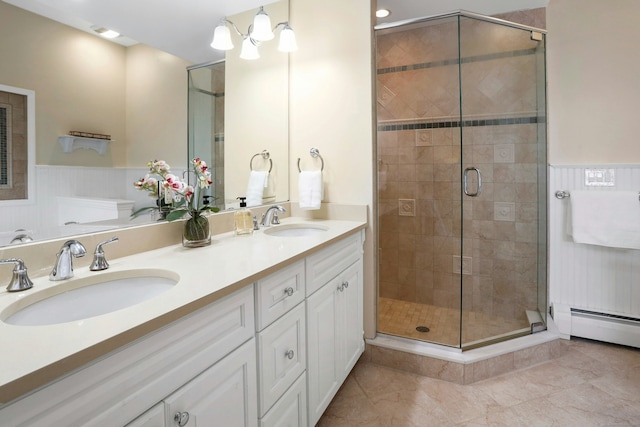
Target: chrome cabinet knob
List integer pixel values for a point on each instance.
(289, 354)
(181, 418)
(289, 291)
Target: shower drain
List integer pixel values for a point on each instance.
(422, 329)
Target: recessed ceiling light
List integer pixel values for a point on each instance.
(105, 32)
(382, 13)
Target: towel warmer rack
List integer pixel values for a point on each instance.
(265, 155)
(315, 153)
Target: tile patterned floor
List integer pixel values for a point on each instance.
(400, 318)
(592, 384)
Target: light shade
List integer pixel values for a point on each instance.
(261, 27)
(249, 50)
(222, 38)
(287, 40)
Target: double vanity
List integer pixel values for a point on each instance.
(257, 330)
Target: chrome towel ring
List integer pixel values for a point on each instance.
(314, 152)
(265, 155)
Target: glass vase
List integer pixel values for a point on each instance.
(196, 232)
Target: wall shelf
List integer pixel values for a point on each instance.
(71, 143)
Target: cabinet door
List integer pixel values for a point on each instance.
(154, 417)
(323, 364)
(291, 409)
(223, 395)
(350, 325)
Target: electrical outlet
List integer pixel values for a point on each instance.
(599, 177)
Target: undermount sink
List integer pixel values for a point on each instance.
(90, 296)
(295, 230)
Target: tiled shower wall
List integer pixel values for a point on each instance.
(419, 166)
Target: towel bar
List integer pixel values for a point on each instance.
(265, 155)
(561, 194)
(314, 152)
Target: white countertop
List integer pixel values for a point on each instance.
(34, 355)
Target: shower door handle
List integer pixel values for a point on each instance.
(465, 182)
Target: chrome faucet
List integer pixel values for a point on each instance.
(271, 216)
(99, 260)
(20, 281)
(63, 269)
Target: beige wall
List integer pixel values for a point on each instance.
(256, 111)
(331, 108)
(81, 83)
(156, 107)
(593, 91)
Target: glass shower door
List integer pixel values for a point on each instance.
(504, 180)
(419, 201)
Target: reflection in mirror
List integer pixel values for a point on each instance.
(17, 145)
(206, 122)
(251, 117)
(88, 84)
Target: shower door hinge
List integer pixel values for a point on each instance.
(536, 36)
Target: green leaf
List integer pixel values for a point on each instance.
(176, 214)
(142, 211)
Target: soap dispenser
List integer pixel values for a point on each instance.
(243, 219)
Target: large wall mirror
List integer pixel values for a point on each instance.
(139, 95)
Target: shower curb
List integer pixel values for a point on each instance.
(466, 369)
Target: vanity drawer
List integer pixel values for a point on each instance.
(281, 356)
(291, 409)
(326, 264)
(278, 293)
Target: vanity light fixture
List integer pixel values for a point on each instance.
(258, 32)
(105, 32)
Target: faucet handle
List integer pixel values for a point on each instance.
(20, 280)
(99, 260)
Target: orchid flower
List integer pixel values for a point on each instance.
(180, 196)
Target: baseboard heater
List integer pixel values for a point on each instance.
(606, 327)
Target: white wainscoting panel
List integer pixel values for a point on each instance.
(589, 277)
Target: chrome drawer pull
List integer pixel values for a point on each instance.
(289, 291)
(289, 354)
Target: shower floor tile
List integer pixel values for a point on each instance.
(401, 318)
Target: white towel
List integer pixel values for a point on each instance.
(258, 180)
(605, 218)
(310, 189)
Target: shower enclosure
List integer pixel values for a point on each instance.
(461, 160)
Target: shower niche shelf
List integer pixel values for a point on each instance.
(71, 143)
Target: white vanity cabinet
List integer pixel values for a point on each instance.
(335, 332)
(273, 353)
(281, 337)
(116, 389)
